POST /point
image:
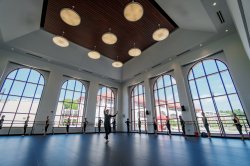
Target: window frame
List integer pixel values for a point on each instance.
(164, 87)
(212, 96)
(133, 110)
(84, 86)
(17, 68)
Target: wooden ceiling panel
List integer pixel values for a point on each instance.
(97, 16)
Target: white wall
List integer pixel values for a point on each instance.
(234, 55)
(52, 88)
(239, 22)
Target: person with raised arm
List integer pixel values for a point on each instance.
(107, 125)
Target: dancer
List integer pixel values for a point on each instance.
(46, 125)
(25, 125)
(127, 122)
(100, 121)
(1, 121)
(67, 125)
(114, 125)
(155, 126)
(183, 125)
(107, 126)
(85, 123)
(139, 125)
(205, 123)
(168, 125)
(238, 125)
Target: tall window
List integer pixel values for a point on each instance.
(105, 99)
(213, 92)
(71, 104)
(138, 109)
(167, 103)
(20, 96)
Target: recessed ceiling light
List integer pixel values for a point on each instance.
(160, 34)
(201, 45)
(61, 41)
(133, 11)
(214, 4)
(70, 16)
(226, 30)
(117, 64)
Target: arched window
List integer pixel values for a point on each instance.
(167, 103)
(138, 108)
(71, 104)
(20, 96)
(105, 99)
(213, 92)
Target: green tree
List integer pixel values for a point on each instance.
(68, 104)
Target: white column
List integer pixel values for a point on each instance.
(48, 102)
(149, 104)
(185, 99)
(91, 105)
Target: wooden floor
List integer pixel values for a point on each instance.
(122, 150)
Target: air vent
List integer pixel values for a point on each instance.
(33, 55)
(87, 71)
(156, 65)
(137, 74)
(221, 18)
(184, 52)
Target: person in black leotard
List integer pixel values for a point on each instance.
(46, 125)
(107, 125)
(1, 121)
(99, 124)
(85, 123)
(67, 125)
(205, 123)
(238, 125)
(128, 123)
(25, 125)
(155, 126)
(114, 125)
(168, 125)
(139, 125)
(183, 125)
